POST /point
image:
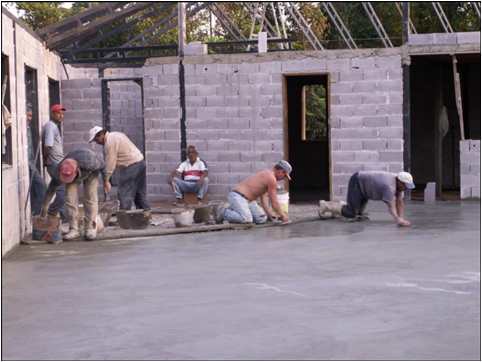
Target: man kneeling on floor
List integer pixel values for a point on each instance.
(371, 185)
(78, 166)
(190, 176)
(243, 207)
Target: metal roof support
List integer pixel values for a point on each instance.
(152, 29)
(340, 26)
(126, 26)
(412, 27)
(226, 21)
(442, 17)
(269, 27)
(372, 15)
(476, 5)
(282, 18)
(305, 27)
(77, 20)
(79, 33)
(275, 17)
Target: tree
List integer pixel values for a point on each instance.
(40, 14)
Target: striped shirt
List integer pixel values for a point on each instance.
(192, 172)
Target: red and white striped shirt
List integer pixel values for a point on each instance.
(192, 172)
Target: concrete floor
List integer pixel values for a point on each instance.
(320, 290)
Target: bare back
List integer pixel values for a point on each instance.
(255, 186)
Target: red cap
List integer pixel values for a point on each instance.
(67, 171)
(57, 108)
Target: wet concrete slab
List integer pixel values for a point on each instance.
(317, 290)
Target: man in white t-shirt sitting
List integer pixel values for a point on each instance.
(190, 176)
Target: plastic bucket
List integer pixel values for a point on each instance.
(284, 201)
(183, 217)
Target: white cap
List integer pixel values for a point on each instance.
(93, 132)
(407, 179)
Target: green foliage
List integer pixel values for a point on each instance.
(40, 14)
(315, 112)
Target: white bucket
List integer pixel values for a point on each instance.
(284, 201)
(183, 217)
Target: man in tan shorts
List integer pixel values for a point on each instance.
(243, 207)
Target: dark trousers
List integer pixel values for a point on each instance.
(37, 190)
(132, 186)
(58, 206)
(355, 200)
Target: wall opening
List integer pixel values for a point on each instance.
(435, 126)
(307, 139)
(123, 110)
(6, 130)
(54, 92)
(31, 105)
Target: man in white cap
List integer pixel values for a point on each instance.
(243, 207)
(372, 185)
(121, 152)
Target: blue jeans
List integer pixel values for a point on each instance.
(132, 186)
(181, 187)
(58, 206)
(242, 211)
(37, 190)
(355, 201)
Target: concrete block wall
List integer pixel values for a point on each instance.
(470, 169)
(234, 113)
(365, 117)
(23, 48)
(234, 118)
(83, 102)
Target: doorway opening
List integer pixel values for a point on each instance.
(435, 124)
(307, 136)
(31, 100)
(123, 111)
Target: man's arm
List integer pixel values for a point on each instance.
(202, 177)
(49, 195)
(393, 209)
(48, 143)
(273, 197)
(111, 150)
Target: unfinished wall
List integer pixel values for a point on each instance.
(470, 169)
(83, 103)
(23, 48)
(234, 113)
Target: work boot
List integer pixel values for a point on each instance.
(65, 228)
(90, 234)
(72, 234)
(329, 209)
(219, 213)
